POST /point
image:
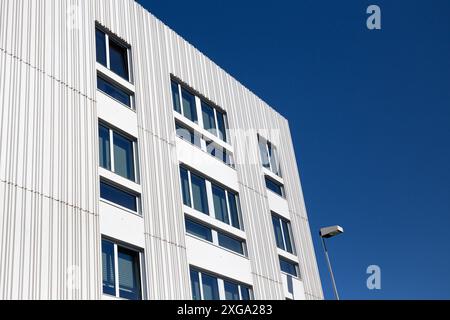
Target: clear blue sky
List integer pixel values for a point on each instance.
(370, 118)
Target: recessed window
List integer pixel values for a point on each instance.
(196, 191)
(269, 156)
(226, 206)
(184, 102)
(214, 121)
(206, 286)
(199, 196)
(114, 91)
(198, 230)
(121, 271)
(220, 153)
(275, 186)
(231, 243)
(289, 267)
(112, 54)
(188, 135)
(119, 196)
(283, 234)
(117, 153)
(219, 238)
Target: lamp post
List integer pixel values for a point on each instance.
(326, 233)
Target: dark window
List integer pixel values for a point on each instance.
(278, 232)
(245, 293)
(231, 290)
(129, 274)
(288, 267)
(118, 59)
(220, 204)
(123, 156)
(274, 187)
(104, 147)
(185, 187)
(233, 201)
(222, 126)
(195, 285)
(188, 135)
(231, 243)
(189, 107)
(283, 236)
(118, 196)
(114, 91)
(198, 230)
(108, 263)
(210, 287)
(100, 41)
(176, 97)
(199, 196)
(209, 122)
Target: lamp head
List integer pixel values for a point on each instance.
(332, 231)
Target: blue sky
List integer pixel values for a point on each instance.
(370, 118)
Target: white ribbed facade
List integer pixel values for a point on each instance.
(52, 220)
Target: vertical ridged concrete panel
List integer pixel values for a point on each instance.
(49, 226)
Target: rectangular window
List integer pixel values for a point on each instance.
(214, 121)
(105, 147)
(210, 287)
(235, 214)
(231, 291)
(228, 214)
(209, 121)
(195, 285)
(112, 54)
(198, 230)
(199, 196)
(289, 267)
(114, 91)
(220, 204)
(189, 105)
(118, 59)
(108, 263)
(269, 156)
(231, 243)
(100, 41)
(127, 273)
(117, 153)
(184, 174)
(188, 135)
(218, 238)
(283, 234)
(274, 186)
(118, 196)
(123, 156)
(176, 100)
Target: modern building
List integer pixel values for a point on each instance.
(133, 167)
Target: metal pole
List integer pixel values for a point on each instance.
(330, 269)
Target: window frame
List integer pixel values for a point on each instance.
(215, 233)
(140, 263)
(109, 37)
(282, 220)
(124, 190)
(279, 184)
(292, 263)
(271, 152)
(135, 154)
(114, 84)
(220, 284)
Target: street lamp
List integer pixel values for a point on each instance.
(326, 233)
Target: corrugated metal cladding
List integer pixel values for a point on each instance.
(49, 222)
